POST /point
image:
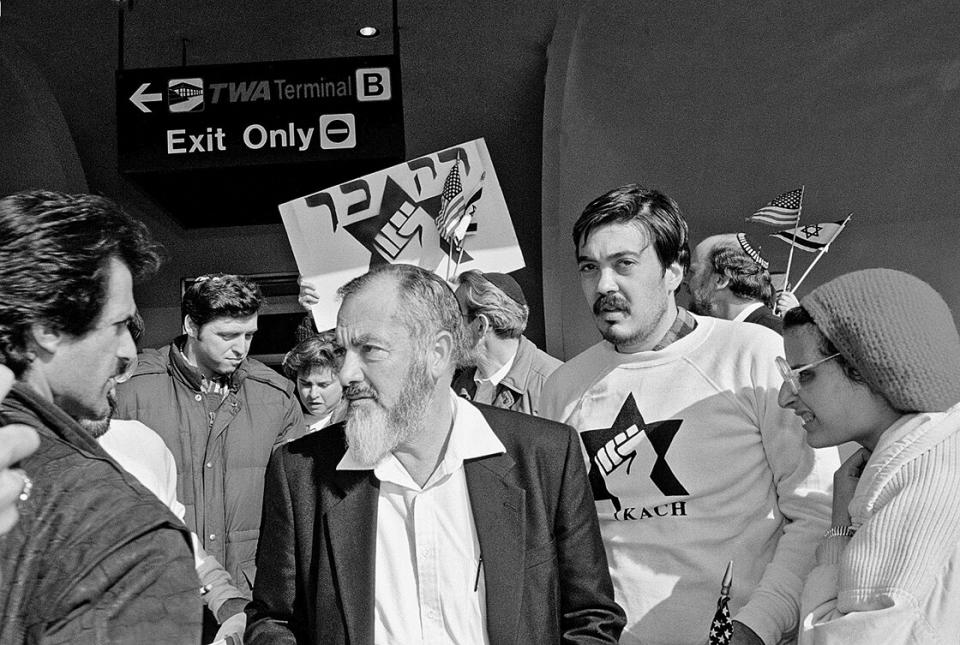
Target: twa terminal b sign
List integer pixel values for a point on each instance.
(221, 116)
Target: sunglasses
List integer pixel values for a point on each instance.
(791, 376)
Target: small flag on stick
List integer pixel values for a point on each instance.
(811, 237)
(721, 629)
(783, 210)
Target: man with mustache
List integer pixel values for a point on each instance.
(95, 557)
(221, 414)
(423, 518)
(691, 461)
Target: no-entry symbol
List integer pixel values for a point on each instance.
(338, 131)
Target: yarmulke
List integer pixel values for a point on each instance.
(752, 251)
(508, 285)
(897, 331)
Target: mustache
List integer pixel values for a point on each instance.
(359, 391)
(610, 302)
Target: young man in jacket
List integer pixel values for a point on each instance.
(220, 412)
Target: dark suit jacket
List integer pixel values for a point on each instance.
(544, 565)
(764, 316)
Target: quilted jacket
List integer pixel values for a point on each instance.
(221, 454)
(95, 557)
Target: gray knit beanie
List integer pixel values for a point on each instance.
(897, 331)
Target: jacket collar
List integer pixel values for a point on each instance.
(24, 405)
(519, 374)
(191, 374)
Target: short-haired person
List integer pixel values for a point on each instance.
(729, 279)
(510, 371)
(424, 519)
(312, 366)
(220, 413)
(142, 453)
(692, 462)
(95, 556)
(872, 357)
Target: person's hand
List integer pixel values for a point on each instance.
(308, 295)
(16, 442)
(231, 630)
(845, 482)
(785, 302)
(743, 635)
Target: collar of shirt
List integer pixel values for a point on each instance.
(470, 437)
(499, 375)
(740, 317)
(683, 325)
(219, 386)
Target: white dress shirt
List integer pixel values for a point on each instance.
(487, 387)
(428, 580)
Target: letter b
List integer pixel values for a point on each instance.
(373, 84)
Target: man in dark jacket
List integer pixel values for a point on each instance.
(729, 279)
(422, 518)
(95, 556)
(220, 413)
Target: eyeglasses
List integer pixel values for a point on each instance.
(791, 376)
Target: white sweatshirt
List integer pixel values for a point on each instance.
(735, 479)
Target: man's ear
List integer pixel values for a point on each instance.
(440, 355)
(190, 328)
(723, 281)
(673, 274)
(483, 325)
(46, 337)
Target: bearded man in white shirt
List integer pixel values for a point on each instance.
(424, 518)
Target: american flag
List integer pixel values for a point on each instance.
(451, 199)
(458, 206)
(812, 237)
(783, 210)
(721, 629)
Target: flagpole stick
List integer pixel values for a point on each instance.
(786, 278)
(727, 579)
(812, 264)
(456, 268)
(820, 255)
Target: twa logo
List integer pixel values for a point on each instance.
(185, 95)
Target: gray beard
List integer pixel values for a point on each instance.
(373, 431)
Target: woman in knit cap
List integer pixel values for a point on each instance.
(874, 357)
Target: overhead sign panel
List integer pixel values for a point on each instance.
(219, 116)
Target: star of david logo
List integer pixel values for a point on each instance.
(811, 230)
(399, 223)
(605, 446)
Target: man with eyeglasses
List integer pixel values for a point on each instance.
(510, 370)
(692, 462)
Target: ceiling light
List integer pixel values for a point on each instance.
(368, 32)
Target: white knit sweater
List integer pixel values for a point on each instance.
(735, 479)
(898, 579)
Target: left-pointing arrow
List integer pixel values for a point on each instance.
(140, 99)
